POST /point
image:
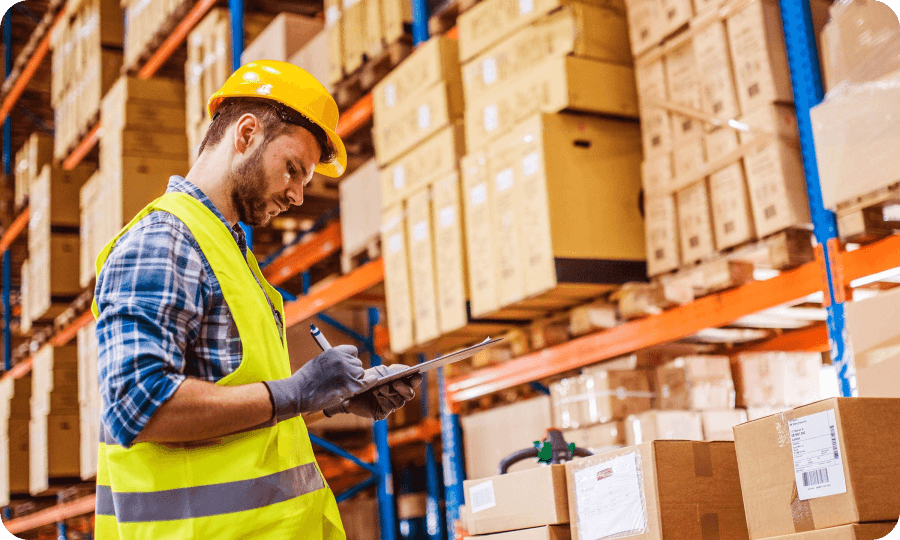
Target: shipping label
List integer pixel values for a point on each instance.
(609, 498)
(818, 467)
(481, 496)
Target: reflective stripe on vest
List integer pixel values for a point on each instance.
(234, 487)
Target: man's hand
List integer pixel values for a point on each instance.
(384, 400)
(325, 381)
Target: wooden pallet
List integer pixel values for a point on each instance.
(351, 260)
(361, 81)
(739, 265)
(161, 34)
(871, 216)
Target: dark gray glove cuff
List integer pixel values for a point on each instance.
(285, 403)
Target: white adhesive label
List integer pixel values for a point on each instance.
(399, 177)
(609, 499)
(424, 116)
(526, 7)
(390, 95)
(420, 231)
(504, 180)
(479, 194)
(531, 163)
(332, 16)
(350, 3)
(818, 467)
(448, 216)
(491, 117)
(395, 243)
(489, 70)
(481, 497)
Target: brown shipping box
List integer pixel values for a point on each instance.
(550, 532)
(436, 155)
(397, 15)
(374, 31)
(773, 379)
(865, 531)
(481, 262)
(688, 159)
(491, 435)
(683, 83)
(556, 84)
(492, 20)
(822, 465)
(871, 333)
(663, 425)
(879, 380)
(730, 201)
(581, 30)
(334, 29)
(661, 235)
(434, 61)
(599, 438)
(421, 265)
(416, 119)
(396, 282)
(448, 253)
(695, 383)
(353, 45)
(360, 199)
(53, 448)
(519, 500)
(530, 199)
(714, 63)
(859, 44)
(314, 58)
(284, 36)
(663, 489)
(695, 223)
(657, 176)
(656, 121)
(719, 425)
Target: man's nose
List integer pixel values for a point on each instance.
(295, 196)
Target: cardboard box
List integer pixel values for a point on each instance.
(714, 62)
(416, 119)
(396, 279)
(51, 196)
(491, 435)
(695, 223)
(582, 30)
(663, 425)
(644, 24)
(434, 61)
(638, 300)
(592, 317)
(360, 198)
(777, 379)
(822, 465)
(550, 532)
(688, 159)
(663, 249)
(421, 265)
(53, 450)
(731, 214)
(491, 21)
(656, 123)
(599, 397)
(335, 38)
(721, 142)
(599, 438)
(519, 182)
(644, 492)
(866, 531)
(556, 84)
(449, 256)
(872, 338)
(719, 425)
(88, 252)
(374, 30)
(775, 173)
(52, 278)
(755, 413)
(353, 44)
(481, 263)
(314, 58)
(697, 383)
(675, 13)
(683, 84)
(879, 380)
(282, 38)
(437, 155)
(519, 500)
(397, 16)
(359, 516)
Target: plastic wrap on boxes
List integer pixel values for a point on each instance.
(609, 496)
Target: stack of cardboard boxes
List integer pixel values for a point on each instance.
(30, 159)
(775, 381)
(825, 471)
(49, 284)
(873, 339)
(54, 430)
(722, 164)
(417, 142)
(360, 29)
(89, 402)
(15, 414)
(87, 57)
(360, 196)
(145, 21)
(550, 199)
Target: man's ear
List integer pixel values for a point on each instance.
(246, 131)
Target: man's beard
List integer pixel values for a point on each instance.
(248, 191)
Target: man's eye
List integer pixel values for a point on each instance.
(291, 170)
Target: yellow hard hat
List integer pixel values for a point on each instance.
(294, 88)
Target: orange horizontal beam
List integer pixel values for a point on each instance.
(19, 370)
(813, 338)
(60, 512)
(871, 259)
(30, 68)
(709, 312)
(453, 33)
(83, 148)
(68, 333)
(175, 39)
(301, 257)
(15, 229)
(343, 288)
(355, 117)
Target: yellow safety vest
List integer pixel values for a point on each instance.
(262, 483)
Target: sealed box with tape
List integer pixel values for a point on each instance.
(530, 498)
(867, 531)
(662, 489)
(826, 464)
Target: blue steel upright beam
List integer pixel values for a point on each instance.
(7, 170)
(236, 9)
(806, 80)
(432, 485)
(387, 512)
(451, 436)
(420, 21)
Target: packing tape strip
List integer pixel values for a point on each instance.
(801, 511)
(702, 460)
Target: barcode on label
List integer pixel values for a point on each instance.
(814, 478)
(834, 445)
(481, 497)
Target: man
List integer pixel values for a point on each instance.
(201, 430)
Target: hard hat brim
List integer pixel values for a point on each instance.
(336, 167)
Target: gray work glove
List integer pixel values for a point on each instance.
(324, 382)
(383, 400)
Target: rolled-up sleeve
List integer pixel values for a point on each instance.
(150, 295)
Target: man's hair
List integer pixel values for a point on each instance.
(274, 118)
